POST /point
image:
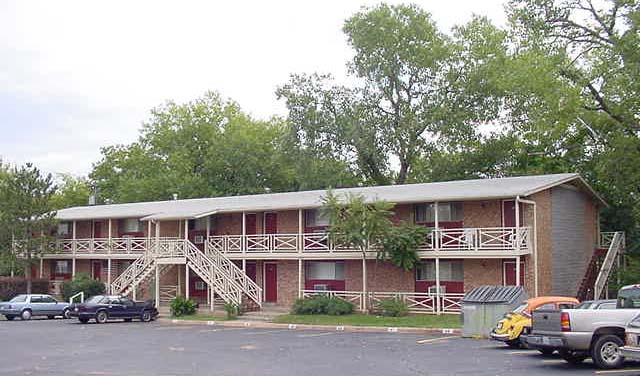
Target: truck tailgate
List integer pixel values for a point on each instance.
(545, 321)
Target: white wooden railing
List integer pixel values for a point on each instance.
(417, 302)
(616, 246)
(462, 239)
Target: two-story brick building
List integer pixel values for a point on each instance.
(541, 232)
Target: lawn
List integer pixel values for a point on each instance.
(358, 319)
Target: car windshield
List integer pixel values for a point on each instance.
(95, 299)
(521, 308)
(584, 305)
(18, 299)
(629, 298)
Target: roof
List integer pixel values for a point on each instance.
(461, 190)
(494, 294)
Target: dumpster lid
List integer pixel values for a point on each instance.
(494, 294)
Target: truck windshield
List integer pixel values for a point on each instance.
(629, 298)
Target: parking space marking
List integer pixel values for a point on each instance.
(268, 332)
(315, 335)
(617, 371)
(431, 340)
(219, 330)
(553, 361)
(523, 352)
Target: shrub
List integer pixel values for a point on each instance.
(82, 282)
(392, 307)
(321, 305)
(180, 306)
(232, 310)
(12, 286)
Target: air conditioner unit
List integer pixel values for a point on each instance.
(321, 287)
(198, 239)
(434, 289)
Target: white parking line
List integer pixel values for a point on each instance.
(315, 335)
(523, 352)
(268, 332)
(617, 371)
(431, 340)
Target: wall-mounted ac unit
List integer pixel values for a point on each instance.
(198, 239)
(321, 287)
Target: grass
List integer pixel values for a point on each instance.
(358, 319)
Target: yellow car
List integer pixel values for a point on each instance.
(518, 322)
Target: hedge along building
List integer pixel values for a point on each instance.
(541, 232)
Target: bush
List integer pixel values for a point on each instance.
(321, 305)
(82, 282)
(392, 307)
(232, 310)
(181, 306)
(12, 286)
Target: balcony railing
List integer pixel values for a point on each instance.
(117, 246)
(462, 239)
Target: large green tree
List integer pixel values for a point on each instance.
(417, 90)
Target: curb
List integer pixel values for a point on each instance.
(338, 328)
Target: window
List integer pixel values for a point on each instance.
(48, 299)
(63, 228)
(95, 299)
(316, 218)
(62, 267)
(447, 212)
(36, 299)
(548, 306)
(200, 286)
(566, 306)
(325, 270)
(198, 224)
(450, 271)
(127, 302)
(114, 301)
(18, 299)
(130, 225)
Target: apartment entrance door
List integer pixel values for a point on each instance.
(270, 282)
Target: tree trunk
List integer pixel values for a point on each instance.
(27, 273)
(402, 174)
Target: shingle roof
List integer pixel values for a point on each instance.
(461, 190)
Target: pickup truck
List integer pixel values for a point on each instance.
(581, 333)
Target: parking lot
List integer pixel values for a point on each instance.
(65, 347)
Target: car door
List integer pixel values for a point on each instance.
(37, 305)
(115, 308)
(129, 309)
(50, 305)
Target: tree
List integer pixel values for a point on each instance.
(418, 91)
(26, 214)
(71, 192)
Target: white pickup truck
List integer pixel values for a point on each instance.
(581, 333)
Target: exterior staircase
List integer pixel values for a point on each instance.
(585, 291)
(615, 248)
(228, 281)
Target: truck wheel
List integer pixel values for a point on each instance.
(572, 357)
(66, 314)
(9, 317)
(101, 317)
(146, 316)
(606, 352)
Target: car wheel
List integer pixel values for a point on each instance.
(101, 317)
(572, 357)
(66, 314)
(84, 320)
(514, 343)
(128, 320)
(51, 317)
(606, 352)
(9, 317)
(546, 352)
(146, 316)
(26, 314)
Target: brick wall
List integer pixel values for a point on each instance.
(482, 213)
(403, 212)
(83, 229)
(381, 276)
(170, 229)
(227, 224)
(288, 222)
(478, 272)
(287, 282)
(544, 249)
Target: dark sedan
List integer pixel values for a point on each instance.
(103, 308)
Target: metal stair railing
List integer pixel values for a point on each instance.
(617, 243)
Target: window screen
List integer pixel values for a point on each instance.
(447, 212)
(325, 270)
(62, 267)
(450, 271)
(316, 218)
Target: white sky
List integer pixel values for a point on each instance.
(79, 75)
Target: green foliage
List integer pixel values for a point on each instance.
(400, 244)
(232, 310)
(82, 282)
(322, 305)
(180, 306)
(71, 192)
(392, 307)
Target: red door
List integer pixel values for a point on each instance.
(509, 213)
(96, 269)
(509, 273)
(197, 288)
(271, 223)
(97, 229)
(250, 224)
(271, 282)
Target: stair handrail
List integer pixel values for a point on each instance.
(616, 245)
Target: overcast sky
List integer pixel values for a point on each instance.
(79, 75)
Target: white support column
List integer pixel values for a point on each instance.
(518, 271)
(148, 231)
(109, 275)
(186, 229)
(437, 262)
(211, 299)
(157, 286)
(299, 278)
(74, 248)
(517, 204)
(41, 268)
(300, 230)
(134, 292)
(186, 281)
(436, 235)
(109, 237)
(73, 267)
(364, 284)
(208, 226)
(244, 266)
(244, 232)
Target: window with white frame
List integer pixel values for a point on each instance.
(316, 218)
(128, 225)
(447, 212)
(450, 271)
(328, 270)
(200, 286)
(64, 228)
(62, 267)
